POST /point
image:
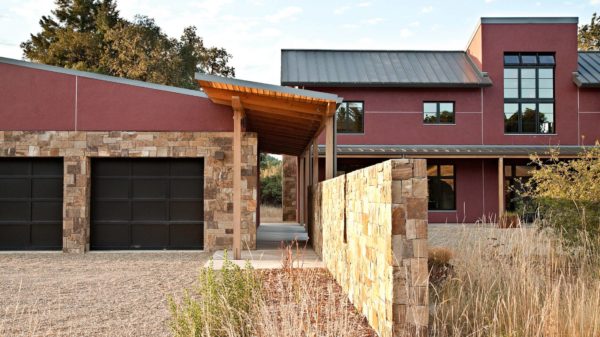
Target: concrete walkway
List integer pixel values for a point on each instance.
(271, 238)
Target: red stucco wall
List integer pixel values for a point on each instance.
(34, 99)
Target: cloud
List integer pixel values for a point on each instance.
(364, 4)
(489, 1)
(427, 9)
(414, 24)
(594, 2)
(373, 21)
(284, 14)
(341, 10)
(405, 32)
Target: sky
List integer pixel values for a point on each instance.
(255, 31)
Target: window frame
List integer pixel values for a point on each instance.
(363, 119)
(438, 178)
(438, 111)
(520, 101)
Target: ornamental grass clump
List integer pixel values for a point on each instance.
(220, 305)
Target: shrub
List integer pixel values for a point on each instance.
(220, 305)
(567, 196)
(270, 193)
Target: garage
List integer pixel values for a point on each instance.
(31, 203)
(147, 203)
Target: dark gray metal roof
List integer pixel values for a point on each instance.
(452, 150)
(530, 20)
(101, 77)
(588, 70)
(379, 68)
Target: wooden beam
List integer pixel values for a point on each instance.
(315, 154)
(301, 189)
(306, 183)
(284, 114)
(500, 187)
(238, 113)
(318, 109)
(329, 148)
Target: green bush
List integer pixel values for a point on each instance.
(220, 305)
(567, 196)
(270, 193)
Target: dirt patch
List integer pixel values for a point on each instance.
(94, 294)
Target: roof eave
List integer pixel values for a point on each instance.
(484, 83)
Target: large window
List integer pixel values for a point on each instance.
(528, 93)
(350, 117)
(438, 112)
(515, 178)
(441, 184)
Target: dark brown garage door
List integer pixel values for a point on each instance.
(31, 197)
(147, 204)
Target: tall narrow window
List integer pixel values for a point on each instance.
(350, 117)
(529, 93)
(438, 112)
(441, 184)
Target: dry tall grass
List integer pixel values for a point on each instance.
(269, 213)
(526, 285)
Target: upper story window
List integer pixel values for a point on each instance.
(438, 112)
(350, 117)
(528, 93)
(441, 185)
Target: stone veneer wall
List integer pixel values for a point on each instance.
(77, 147)
(289, 188)
(370, 228)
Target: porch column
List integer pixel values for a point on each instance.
(500, 187)
(315, 154)
(301, 189)
(306, 182)
(238, 116)
(329, 147)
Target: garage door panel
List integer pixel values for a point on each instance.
(150, 168)
(46, 211)
(111, 188)
(15, 166)
(187, 210)
(46, 168)
(111, 168)
(187, 188)
(14, 187)
(149, 235)
(14, 236)
(186, 236)
(110, 236)
(47, 187)
(46, 235)
(11, 210)
(150, 188)
(149, 210)
(187, 168)
(111, 210)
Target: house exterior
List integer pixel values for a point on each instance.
(519, 87)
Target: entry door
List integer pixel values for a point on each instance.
(147, 204)
(31, 200)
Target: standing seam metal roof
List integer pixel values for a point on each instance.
(588, 72)
(380, 68)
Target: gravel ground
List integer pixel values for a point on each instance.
(96, 294)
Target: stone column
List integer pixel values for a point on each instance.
(409, 245)
(289, 188)
(76, 204)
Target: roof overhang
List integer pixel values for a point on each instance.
(285, 119)
(455, 151)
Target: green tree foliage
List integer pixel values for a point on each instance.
(270, 180)
(567, 195)
(589, 35)
(90, 35)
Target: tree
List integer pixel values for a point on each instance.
(90, 35)
(589, 35)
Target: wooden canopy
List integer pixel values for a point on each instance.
(285, 119)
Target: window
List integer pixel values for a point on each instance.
(528, 93)
(441, 186)
(350, 117)
(438, 112)
(515, 178)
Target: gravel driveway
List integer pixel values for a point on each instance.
(95, 294)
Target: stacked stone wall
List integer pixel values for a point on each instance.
(77, 148)
(289, 188)
(370, 228)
